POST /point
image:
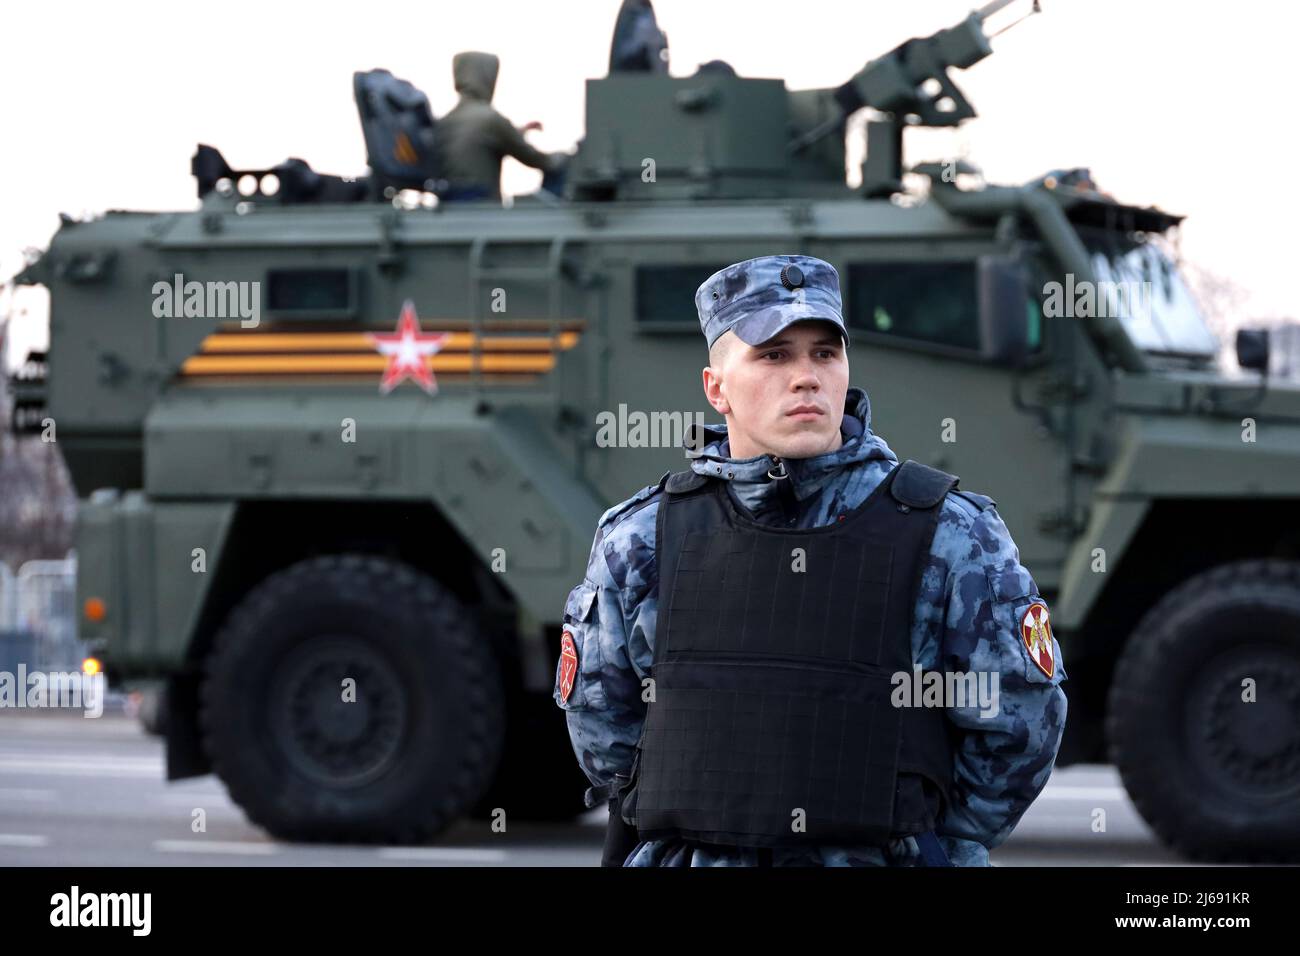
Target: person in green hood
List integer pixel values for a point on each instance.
(474, 137)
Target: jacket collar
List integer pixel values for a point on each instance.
(807, 475)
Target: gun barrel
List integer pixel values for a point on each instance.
(986, 11)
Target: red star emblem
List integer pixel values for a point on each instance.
(406, 350)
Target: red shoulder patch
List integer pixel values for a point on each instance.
(1036, 632)
(568, 665)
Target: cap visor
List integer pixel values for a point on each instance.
(763, 326)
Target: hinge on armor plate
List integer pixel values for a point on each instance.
(389, 260)
(1060, 388)
(1058, 523)
(1086, 465)
(368, 471)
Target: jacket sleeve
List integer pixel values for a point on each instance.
(1005, 749)
(511, 142)
(604, 709)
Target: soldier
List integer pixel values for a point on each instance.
(736, 664)
(639, 46)
(473, 137)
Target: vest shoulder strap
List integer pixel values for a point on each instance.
(683, 482)
(920, 486)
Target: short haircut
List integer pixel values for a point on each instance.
(721, 348)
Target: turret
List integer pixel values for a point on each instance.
(719, 135)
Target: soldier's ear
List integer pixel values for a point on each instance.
(714, 390)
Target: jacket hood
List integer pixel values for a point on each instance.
(748, 476)
(475, 74)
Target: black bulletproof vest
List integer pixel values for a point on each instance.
(772, 723)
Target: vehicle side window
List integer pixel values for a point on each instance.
(923, 301)
(1034, 318)
(311, 293)
(666, 294)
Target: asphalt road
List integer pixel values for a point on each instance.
(90, 792)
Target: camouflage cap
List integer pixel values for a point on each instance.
(759, 297)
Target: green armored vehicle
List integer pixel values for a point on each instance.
(339, 441)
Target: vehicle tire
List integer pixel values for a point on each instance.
(153, 710)
(409, 754)
(1215, 775)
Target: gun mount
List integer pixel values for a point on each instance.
(718, 135)
(911, 85)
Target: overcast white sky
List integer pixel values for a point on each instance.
(1188, 106)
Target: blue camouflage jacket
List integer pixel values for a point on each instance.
(973, 595)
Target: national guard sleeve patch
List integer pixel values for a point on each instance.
(1036, 632)
(568, 665)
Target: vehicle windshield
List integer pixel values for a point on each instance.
(1143, 288)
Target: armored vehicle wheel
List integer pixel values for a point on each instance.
(1215, 773)
(398, 759)
(153, 711)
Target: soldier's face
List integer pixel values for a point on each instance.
(763, 391)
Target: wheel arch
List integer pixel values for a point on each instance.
(269, 535)
(1174, 539)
